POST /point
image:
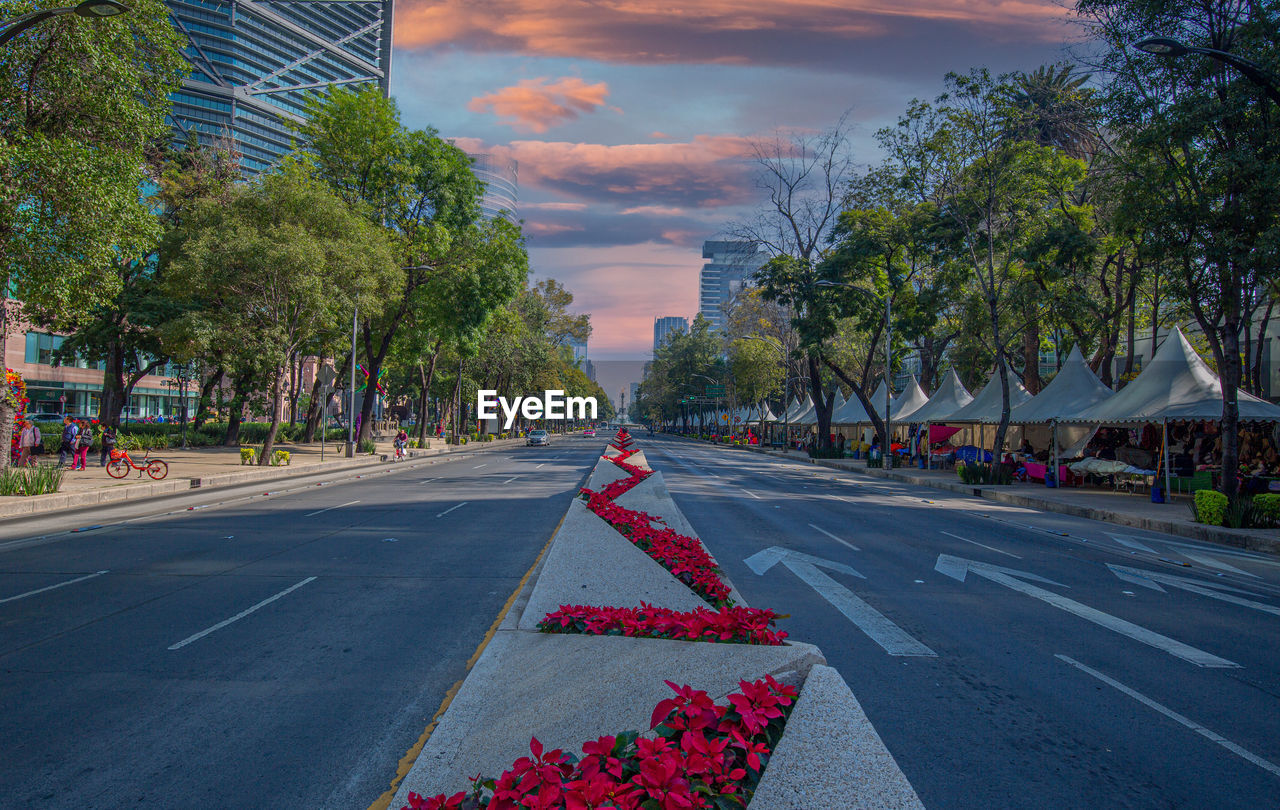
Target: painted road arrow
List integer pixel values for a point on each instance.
(878, 628)
(957, 567)
(1213, 590)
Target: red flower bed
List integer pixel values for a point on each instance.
(704, 756)
(735, 625)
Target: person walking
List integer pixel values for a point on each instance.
(108, 444)
(84, 440)
(27, 441)
(68, 445)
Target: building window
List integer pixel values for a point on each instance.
(40, 348)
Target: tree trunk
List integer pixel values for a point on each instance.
(1229, 371)
(240, 385)
(1259, 346)
(822, 402)
(877, 424)
(269, 444)
(112, 401)
(1130, 353)
(205, 403)
(456, 405)
(295, 386)
(1031, 352)
(424, 380)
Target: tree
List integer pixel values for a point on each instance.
(79, 101)
(996, 193)
(804, 178)
(1200, 144)
(755, 370)
(273, 265)
(123, 330)
(421, 188)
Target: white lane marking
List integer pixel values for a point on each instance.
(52, 587)
(540, 465)
(322, 511)
(752, 494)
(478, 466)
(833, 537)
(955, 567)
(451, 508)
(1132, 542)
(512, 478)
(879, 628)
(241, 614)
(1151, 579)
(1206, 560)
(893, 639)
(1248, 756)
(984, 545)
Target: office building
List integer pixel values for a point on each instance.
(731, 268)
(254, 62)
(662, 327)
(579, 347)
(501, 186)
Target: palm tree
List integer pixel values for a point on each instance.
(1052, 107)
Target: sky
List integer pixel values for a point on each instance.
(632, 120)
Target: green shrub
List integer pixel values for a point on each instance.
(280, 457)
(984, 473)
(1209, 506)
(1268, 506)
(248, 455)
(368, 446)
(38, 480)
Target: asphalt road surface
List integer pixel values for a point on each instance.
(1009, 657)
(279, 650)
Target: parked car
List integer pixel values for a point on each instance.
(538, 438)
(589, 432)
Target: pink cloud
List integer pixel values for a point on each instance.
(700, 31)
(707, 172)
(536, 105)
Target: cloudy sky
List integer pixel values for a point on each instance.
(632, 119)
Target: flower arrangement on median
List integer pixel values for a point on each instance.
(704, 755)
(734, 625)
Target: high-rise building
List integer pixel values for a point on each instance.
(501, 186)
(579, 347)
(731, 267)
(662, 327)
(254, 61)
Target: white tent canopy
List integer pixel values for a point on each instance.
(877, 400)
(1176, 385)
(950, 397)
(912, 399)
(1075, 388)
(851, 414)
(806, 417)
(986, 406)
(761, 414)
(797, 408)
(838, 403)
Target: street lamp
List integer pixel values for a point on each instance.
(1172, 49)
(887, 450)
(92, 9)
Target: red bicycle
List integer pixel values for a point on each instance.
(121, 463)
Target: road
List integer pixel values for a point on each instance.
(280, 650)
(1009, 657)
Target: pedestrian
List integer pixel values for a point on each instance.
(68, 444)
(108, 444)
(84, 440)
(27, 441)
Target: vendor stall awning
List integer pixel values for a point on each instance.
(1075, 388)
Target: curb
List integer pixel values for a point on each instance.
(1236, 538)
(30, 506)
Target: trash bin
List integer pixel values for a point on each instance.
(1050, 477)
(1157, 494)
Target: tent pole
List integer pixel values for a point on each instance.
(1053, 457)
(1166, 460)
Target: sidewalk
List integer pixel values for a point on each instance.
(1122, 509)
(208, 467)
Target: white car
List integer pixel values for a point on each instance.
(538, 438)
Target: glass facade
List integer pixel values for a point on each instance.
(501, 183)
(731, 267)
(254, 61)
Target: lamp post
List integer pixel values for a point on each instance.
(1171, 49)
(887, 449)
(91, 9)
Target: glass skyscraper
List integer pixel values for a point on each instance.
(501, 185)
(731, 268)
(253, 62)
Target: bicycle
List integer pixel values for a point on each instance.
(121, 463)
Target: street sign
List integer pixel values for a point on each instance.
(326, 376)
(715, 390)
